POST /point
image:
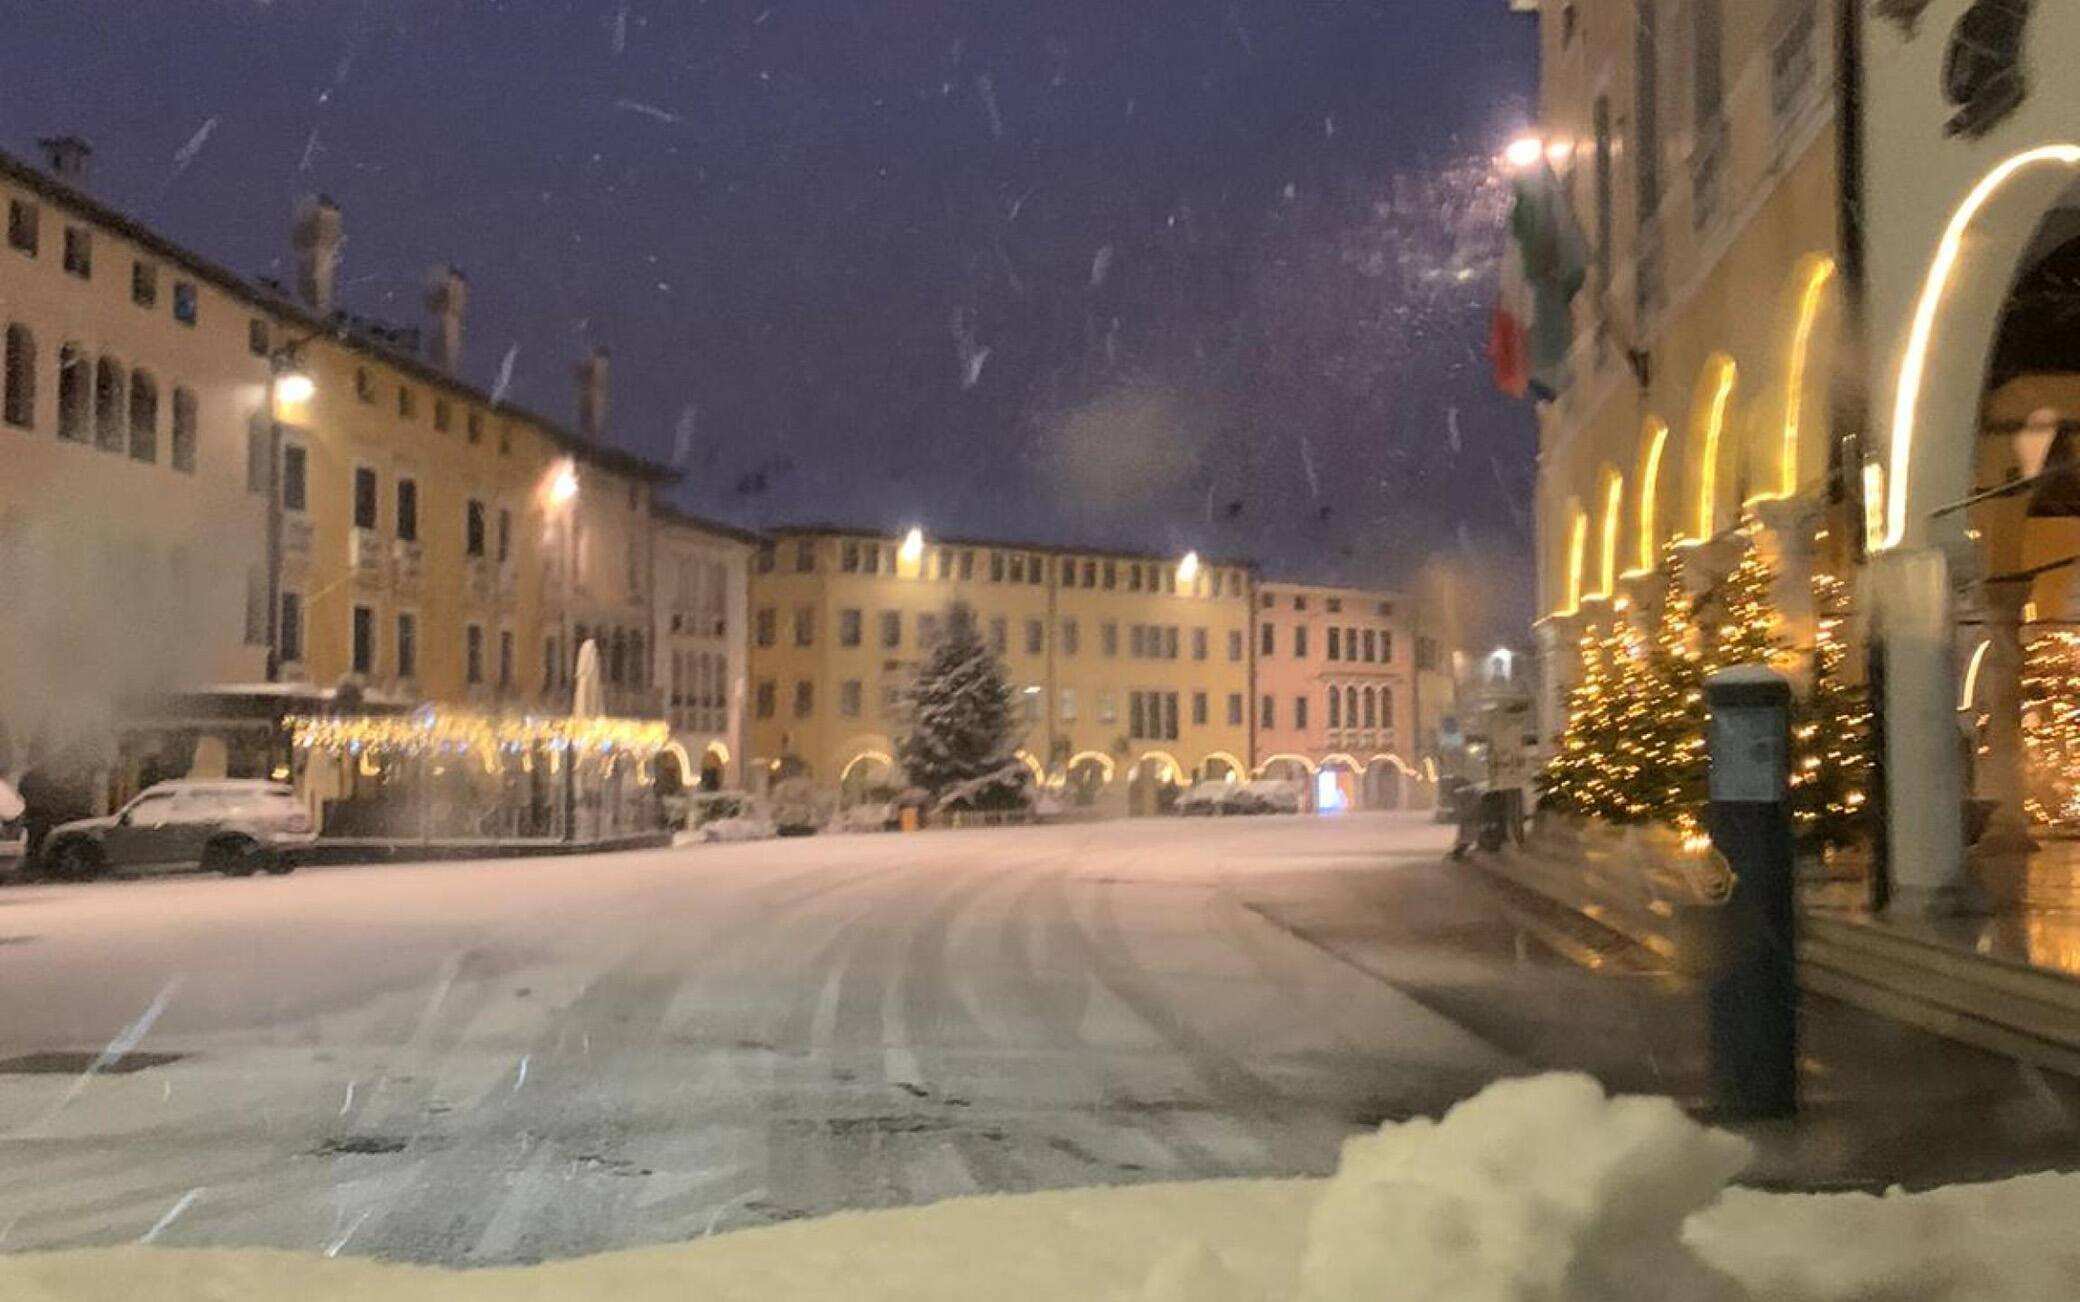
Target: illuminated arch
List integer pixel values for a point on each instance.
(1913, 368)
(1815, 275)
(1710, 426)
(1577, 543)
(1032, 765)
(865, 756)
(1969, 694)
(1105, 761)
(1407, 769)
(1288, 757)
(1654, 444)
(1164, 757)
(1613, 525)
(719, 749)
(1235, 766)
(687, 772)
(1351, 762)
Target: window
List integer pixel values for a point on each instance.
(848, 627)
(967, 565)
(1793, 62)
(1268, 638)
(21, 226)
(1300, 603)
(408, 509)
(1386, 647)
(1036, 637)
(1036, 570)
(79, 252)
(144, 416)
(849, 698)
(1137, 714)
(295, 477)
(996, 567)
(1198, 709)
(1334, 605)
(1335, 708)
(1267, 711)
(804, 698)
(505, 658)
(1018, 567)
(20, 405)
(365, 489)
(407, 402)
(927, 629)
(1300, 713)
(1137, 641)
(891, 629)
(256, 606)
(1371, 700)
(289, 630)
(1707, 80)
(144, 285)
(1133, 578)
(108, 404)
(1030, 703)
(1234, 644)
(1170, 642)
(765, 700)
(872, 554)
(473, 655)
(1386, 708)
(1108, 706)
(443, 414)
(184, 309)
(765, 626)
(364, 658)
(1111, 575)
(848, 558)
(364, 384)
(473, 528)
(75, 402)
(1350, 707)
(184, 429)
(408, 645)
(1198, 644)
(1600, 125)
(1371, 647)
(1108, 638)
(1234, 709)
(763, 561)
(1335, 643)
(805, 626)
(1071, 637)
(805, 556)
(474, 424)
(1066, 710)
(1300, 641)
(1000, 634)
(505, 540)
(1266, 601)
(1386, 609)
(259, 338)
(1090, 574)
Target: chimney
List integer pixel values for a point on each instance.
(66, 158)
(592, 395)
(447, 294)
(317, 237)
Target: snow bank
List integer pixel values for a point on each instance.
(1534, 1191)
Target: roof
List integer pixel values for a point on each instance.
(670, 514)
(1334, 589)
(336, 327)
(1004, 544)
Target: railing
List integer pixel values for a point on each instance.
(368, 558)
(407, 561)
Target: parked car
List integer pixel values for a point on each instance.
(233, 827)
(1208, 799)
(1276, 796)
(14, 833)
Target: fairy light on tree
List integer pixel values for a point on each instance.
(2051, 728)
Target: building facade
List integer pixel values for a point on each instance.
(1132, 671)
(132, 539)
(1335, 694)
(702, 588)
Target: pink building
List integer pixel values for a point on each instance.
(1334, 684)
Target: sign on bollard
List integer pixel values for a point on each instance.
(1751, 990)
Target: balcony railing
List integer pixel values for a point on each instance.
(408, 564)
(369, 558)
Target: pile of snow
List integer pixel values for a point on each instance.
(1535, 1191)
(748, 827)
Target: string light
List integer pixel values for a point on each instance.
(2051, 728)
(456, 732)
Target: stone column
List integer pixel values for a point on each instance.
(1924, 763)
(1998, 774)
(1791, 524)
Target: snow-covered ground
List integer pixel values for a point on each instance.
(1538, 1190)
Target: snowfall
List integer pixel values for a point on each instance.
(1535, 1190)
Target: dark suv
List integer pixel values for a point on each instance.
(232, 827)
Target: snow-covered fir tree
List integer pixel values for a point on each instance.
(962, 745)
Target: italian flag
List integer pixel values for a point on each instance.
(1544, 262)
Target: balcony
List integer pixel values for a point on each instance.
(368, 558)
(296, 545)
(482, 580)
(407, 567)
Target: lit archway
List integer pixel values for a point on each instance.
(1613, 525)
(1815, 275)
(1577, 546)
(1220, 765)
(1653, 445)
(1709, 424)
(1306, 764)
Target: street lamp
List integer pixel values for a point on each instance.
(287, 383)
(1524, 152)
(563, 485)
(1188, 568)
(561, 494)
(912, 550)
(294, 388)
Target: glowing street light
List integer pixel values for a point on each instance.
(1524, 152)
(912, 550)
(1188, 568)
(294, 387)
(563, 489)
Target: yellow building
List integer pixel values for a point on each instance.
(1132, 671)
(1695, 141)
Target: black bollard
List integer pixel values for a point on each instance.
(1752, 986)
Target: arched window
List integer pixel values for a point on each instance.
(1350, 707)
(108, 405)
(21, 376)
(1371, 708)
(1335, 708)
(75, 402)
(144, 416)
(1386, 707)
(184, 429)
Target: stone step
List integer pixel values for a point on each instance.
(1996, 976)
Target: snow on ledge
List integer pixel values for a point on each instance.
(1538, 1190)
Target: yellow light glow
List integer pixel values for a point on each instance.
(1235, 766)
(1971, 674)
(563, 484)
(912, 550)
(1809, 302)
(1430, 767)
(1188, 568)
(294, 387)
(1649, 486)
(1613, 508)
(867, 757)
(1708, 476)
(1301, 760)
(1914, 362)
(1103, 760)
(1348, 761)
(2029, 612)
(1873, 504)
(1524, 151)
(1407, 770)
(1577, 543)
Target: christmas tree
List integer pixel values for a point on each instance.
(2051, 727)
(1830, 738)
(962, 742)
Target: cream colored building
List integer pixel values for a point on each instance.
(1132, 671)
(703, 643)
(132, 533)
(1336, 695)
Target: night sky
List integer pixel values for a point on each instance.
(1160, 273)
